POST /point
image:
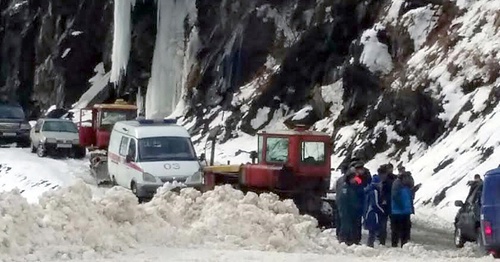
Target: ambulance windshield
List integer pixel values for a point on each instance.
(166, 149)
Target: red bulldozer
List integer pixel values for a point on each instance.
(294, 164)
(94, 130)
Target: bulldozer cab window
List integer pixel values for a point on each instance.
(313, 152)
(109, 118)
(277, 149)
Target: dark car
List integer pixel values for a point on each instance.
(490, 213)
(467, 220)
(14, 128)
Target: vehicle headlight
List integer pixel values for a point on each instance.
(196, 178)
(50, 140)
(25, 126)
(76, 141)
(147, 177)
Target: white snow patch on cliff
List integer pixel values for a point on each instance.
(97, 83)
(375, 55)
(420, 22)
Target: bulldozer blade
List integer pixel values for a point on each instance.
(100, 173)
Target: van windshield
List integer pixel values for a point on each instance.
(166, 148)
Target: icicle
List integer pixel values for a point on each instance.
(169, 69)
(121, 38)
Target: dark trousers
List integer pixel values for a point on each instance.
(400, 229)
(337, 225)
(382, 233)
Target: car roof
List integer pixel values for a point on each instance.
(139, 130)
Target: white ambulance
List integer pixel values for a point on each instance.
(145, 154)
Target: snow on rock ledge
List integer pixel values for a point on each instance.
(375, 54)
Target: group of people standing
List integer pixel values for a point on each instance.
(371, 202)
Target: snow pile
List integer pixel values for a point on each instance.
(68, 223)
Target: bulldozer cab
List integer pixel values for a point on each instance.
(304, 152)
(97, 122)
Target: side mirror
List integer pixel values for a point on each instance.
(459, 203)
(129, 159)
(202, 157)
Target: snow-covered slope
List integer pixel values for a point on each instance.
(33, 176)
(437, 112)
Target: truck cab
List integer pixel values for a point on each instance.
(145, 154)
(96, 123)
(291, 160)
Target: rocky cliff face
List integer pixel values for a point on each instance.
(50, 48)
(389, 79)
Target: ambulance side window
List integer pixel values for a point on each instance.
(132, 149)
(123, 146)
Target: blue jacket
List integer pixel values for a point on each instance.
(373, 209)
(402, 199)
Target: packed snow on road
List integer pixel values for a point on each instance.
(52, 211)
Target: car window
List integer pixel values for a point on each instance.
(123, 146)
(277, 149)
(132, 149)
(312, 152)
(11, 112)
(59, 126)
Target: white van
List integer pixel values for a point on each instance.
(145, 154)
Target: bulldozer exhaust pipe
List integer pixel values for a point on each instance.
(212, 136)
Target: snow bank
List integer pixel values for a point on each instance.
(69, 224)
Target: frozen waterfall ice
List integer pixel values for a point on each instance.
(173, 55)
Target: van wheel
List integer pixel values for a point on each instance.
(40, 151)
(459, 239)
(133, 187)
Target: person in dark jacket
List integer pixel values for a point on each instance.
(350, 207)
(401, 210)
(362, 172)
(373, 210)
(387, 177)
